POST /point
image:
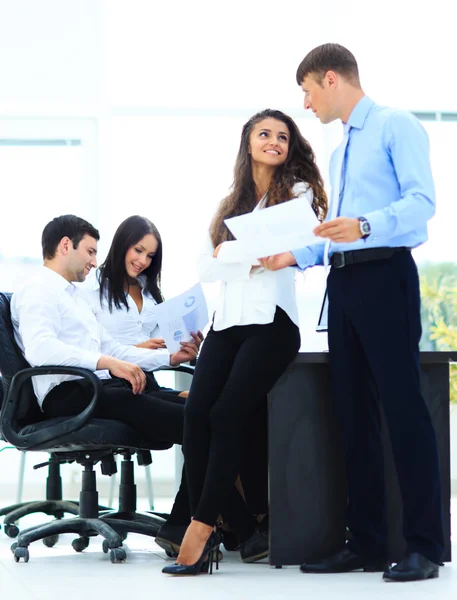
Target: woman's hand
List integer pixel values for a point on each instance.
(152, 344)
(198, 338)
(187, 353)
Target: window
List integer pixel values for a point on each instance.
(43, 176)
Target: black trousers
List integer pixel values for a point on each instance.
(157, 414)
(374, 331)
(235, 371)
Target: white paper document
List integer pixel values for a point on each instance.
(273, 230)
(180, 315)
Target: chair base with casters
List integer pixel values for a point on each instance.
(147, 523)
(53, 506)
(87, 524)
(113, 527)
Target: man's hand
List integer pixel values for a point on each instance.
(124, 370)
(152, 344)
(341, 229)
(278, 261)
(189, 351)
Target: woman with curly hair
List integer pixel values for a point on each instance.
(254, 335)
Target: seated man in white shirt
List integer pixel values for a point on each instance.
(53, 325)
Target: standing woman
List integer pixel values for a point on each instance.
(254, 335)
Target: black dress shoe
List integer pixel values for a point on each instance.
(229, 540)
(256, 547)
(343, 562)
(413, 567)
(169, 537)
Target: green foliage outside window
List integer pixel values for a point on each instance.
(439, 311)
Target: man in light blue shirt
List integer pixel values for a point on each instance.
(387, 181)
(382, 197)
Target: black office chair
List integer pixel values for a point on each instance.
(82, 439)
(54, 505)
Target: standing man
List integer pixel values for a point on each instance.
(382, 197)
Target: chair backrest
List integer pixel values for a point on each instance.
(12, 361)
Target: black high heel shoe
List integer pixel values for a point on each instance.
(211, 550)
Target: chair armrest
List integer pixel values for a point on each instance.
(181, 368)
(53, 432)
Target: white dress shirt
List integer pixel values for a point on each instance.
(245, 297)
(54, 325)
(129, 327)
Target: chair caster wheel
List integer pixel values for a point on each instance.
(13, 547)
(278, 566)
(20, 552)
(80, 544)
(118, 555)
(171, 554)
(11, 530)
(105, 546)
(51, 540)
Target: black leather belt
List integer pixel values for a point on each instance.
(352, 257)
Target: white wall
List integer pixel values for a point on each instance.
(51, 57)
(90, 55)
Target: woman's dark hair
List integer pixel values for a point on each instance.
(69, 226)
(113, 274)
(329, 57)
(300, 165)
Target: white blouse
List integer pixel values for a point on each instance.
(129, 327)
(245, 297)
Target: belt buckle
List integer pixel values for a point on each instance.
(338, 260)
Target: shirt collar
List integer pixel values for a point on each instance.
(360, 112)
(56, 281)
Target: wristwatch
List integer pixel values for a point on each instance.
(364, 227)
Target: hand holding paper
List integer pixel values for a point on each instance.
(272, 230)
(181, 316)
(278, 261)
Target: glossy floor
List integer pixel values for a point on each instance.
(55, 573)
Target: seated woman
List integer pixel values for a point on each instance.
(125, 290)
(254, 335)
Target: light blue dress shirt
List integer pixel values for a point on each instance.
(386, 178)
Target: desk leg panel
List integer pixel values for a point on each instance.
(307, 478)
